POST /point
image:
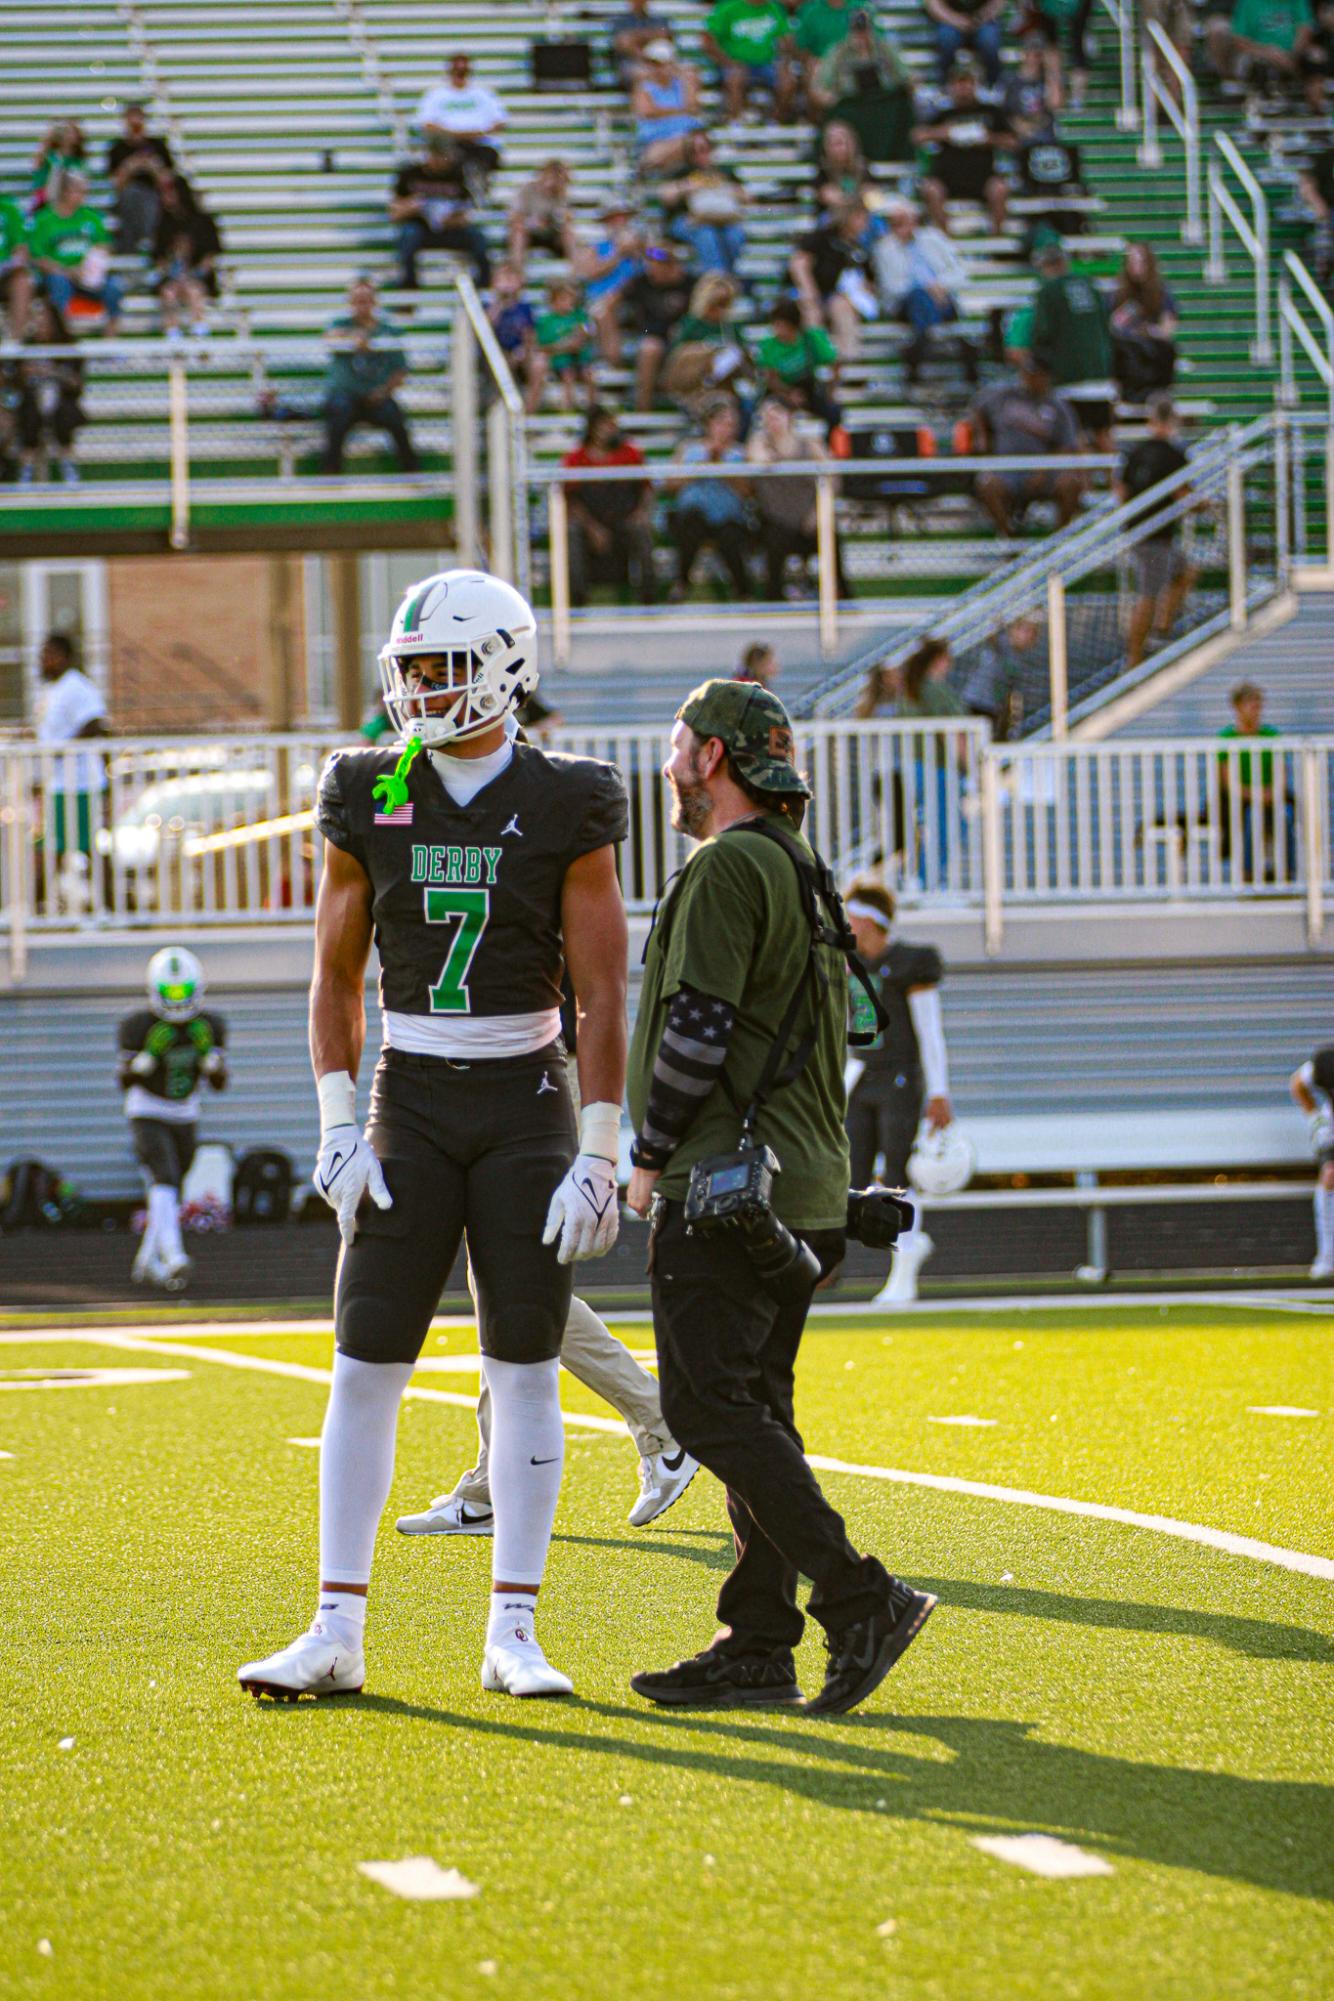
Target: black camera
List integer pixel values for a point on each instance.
(733, 1191)
(876, 1216)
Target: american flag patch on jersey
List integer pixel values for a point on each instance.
(398, 816)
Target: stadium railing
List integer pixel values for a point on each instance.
(1122, 14)
(138, 834)
(1295, 285)
(1252, 232)
(1182, 113)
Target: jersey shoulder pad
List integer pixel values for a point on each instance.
(135, 1027)
(345, 802)
(217, 1028)
(594, 803)
(908, 965)
(1322, 1069)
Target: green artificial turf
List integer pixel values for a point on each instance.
(1163, 1705)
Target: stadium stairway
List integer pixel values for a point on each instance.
(1292, 664)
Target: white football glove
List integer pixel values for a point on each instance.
(1321, 1128)
(144, 1063)
(214, 1062)
(347, 1167)
(585, 1212)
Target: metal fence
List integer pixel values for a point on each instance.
(150, 835)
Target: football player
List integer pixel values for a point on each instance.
(165, 1052)
(1313, 1088)
(904, 1073)
(478, 866)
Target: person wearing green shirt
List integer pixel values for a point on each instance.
(366, 366)
(799, 364)
(1256, 806)
(750, 41)
(820, 26)
(1071, 338)
(15, 274)
(940, 758)
(731, 945)
(1264, 34)
(69, 245)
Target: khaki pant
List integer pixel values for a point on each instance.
(591, 1352)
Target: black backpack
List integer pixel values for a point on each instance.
(262, 1187)
(34, 1197)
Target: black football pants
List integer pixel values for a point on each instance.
(727, 1352)
(884, 1112)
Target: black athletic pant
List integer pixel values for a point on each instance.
(691, 531)
(727, 1351)
(473, 1149)
(884, 1113)
(164, 1149)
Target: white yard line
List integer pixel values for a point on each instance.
(1220, 1539)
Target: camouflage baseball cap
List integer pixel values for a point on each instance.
(754, 725)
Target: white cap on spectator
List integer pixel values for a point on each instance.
(660, 51)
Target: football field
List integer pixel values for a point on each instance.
(1106, 1769)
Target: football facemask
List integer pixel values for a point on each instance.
(941, 1162)
(482, 639)
(175, 983)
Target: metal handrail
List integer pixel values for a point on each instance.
(1253, 235)
(1185, 117)
(1291, 321)
(507, 446)
(1122, 13)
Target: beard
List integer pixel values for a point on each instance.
(692, 809)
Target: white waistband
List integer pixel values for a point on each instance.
(471, 1038)
(142, 1104)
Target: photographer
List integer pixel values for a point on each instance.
(740, 1037)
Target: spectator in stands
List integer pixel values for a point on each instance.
(799, 365)
(1317, 186)
(707, 202)
(964, 136)
(432, 205)
(864, 65)
(366, 366)
(831, 270)
(514, 324)
(136, 163)
(819, 27)
(565, 338)
(708, 354)
(841, 173)
(1013, 660)
(63, 150)
(50, 386)
(656, 303)
(1257, 802)
(1047, 19)
(1262, 43)
(1027, 96)
(969, 26)
(71, 709)
(68, 245)
(608, 266)
(186, 249)
(880, 695)
(1316, 58)
(929, 697)
(712, 511)
(758, 663)
(665, 106)
(611, 521)
(15, 269)
(630, 35)
(1024, 419)
(1071, 338)
(541, 217)
(473, 117)
(1144, 324)
(1164, 577)
(919, 275)
(786, 506)
(1176, 18)
(750, 41)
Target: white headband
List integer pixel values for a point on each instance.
(858, 909)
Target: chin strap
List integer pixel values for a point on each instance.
(391, 788)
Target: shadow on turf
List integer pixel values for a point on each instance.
(1001, 1777)
(1257, 1639)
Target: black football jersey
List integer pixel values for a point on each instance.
(178, 1046)
(467, 899)
(895, 973)
(1322, 1070)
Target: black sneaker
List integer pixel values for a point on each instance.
(718, 1681)
(862, 1655)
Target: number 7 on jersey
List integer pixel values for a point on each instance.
(471, 909)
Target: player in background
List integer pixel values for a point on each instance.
(903, 1074)
(1313, 1089)
(165, 1052)
(480, 867)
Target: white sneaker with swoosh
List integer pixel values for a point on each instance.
(663, 1478)
(316, 1664)
(518, 1666)
(448, 1515)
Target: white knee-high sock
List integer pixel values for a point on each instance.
(164, 1220)
(527, 1454)
(1324, 1223)
(356, 1466)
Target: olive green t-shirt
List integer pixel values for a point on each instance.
(733, 925)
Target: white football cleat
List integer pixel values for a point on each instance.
(909, 1257)
(145, 1261)
(518, 1666)
(447, 1515)
(316, 1664)
(663, 1478)
(1322, 1268)
(172, 1273)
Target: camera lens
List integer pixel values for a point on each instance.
(788, 1268)
(875, 1217)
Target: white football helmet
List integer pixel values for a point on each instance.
(487, 635)
(941, 1162)
(175, 983)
